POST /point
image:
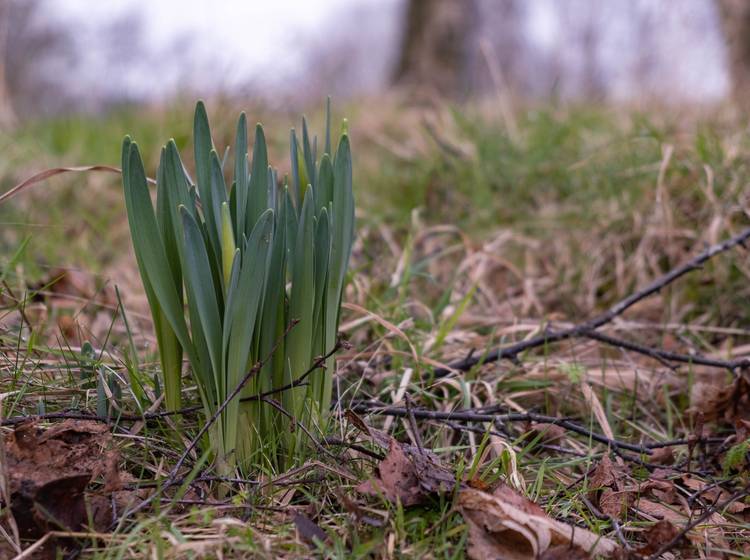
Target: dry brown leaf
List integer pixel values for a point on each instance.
(613, 503)
(711, 531)
(606, 489)
(565, 552)
(716, 399)
(657, 535)
(408, 477)
(547, 433)
(506, 525)
(713, 494)
(308, 530)
(604, 475)
(48, 471)
(658, 511)
(662, 456)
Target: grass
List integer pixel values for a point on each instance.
(468, 237)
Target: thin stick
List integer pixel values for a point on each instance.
(318, 363)
(583, 329)
(251, 373)
(665, 356)
(15, 420)
(277, 405)
(693, 524)
(171, 479)
(471, 416)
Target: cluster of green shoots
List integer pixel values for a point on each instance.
(246, 277)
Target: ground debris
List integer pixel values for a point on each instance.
(608, 490)
(505, 524)
(656, 536)
(408, 477)
(49, 470)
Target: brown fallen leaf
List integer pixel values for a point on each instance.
(713, 398)
(563, 552)
(662, 456)
(507, 525)
(657, 535)
(713, 494)
(547, 433)
(309, 530)
(712, 531)
(607, 489)
(408, 477)
(48, 472)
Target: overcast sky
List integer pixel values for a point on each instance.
(225, 43)
(232, 41)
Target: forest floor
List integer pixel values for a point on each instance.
(581, 242)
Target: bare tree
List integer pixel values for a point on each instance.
(34, 54)
(436, 45)
(735, 21)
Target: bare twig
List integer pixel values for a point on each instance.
(171, 479)
(468, 415)
(15, 420)
(512, 351)
(318, 363)
(250, 374)
(669, 545)
(666, 356)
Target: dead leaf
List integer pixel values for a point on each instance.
(308, 530)
(614, 504)
(662, 456)
(713, 494)
(408, 478)
(709, 532)
(606, 489)
(716, 399)
(562, 552)
(507, 525)
(547, 433)
(604, 475)
(657, 535)
(379, 438)
(49, 470)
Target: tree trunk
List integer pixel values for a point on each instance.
(436, 45)
(735, 21)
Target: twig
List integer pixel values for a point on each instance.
(277, 405)
(14, 420)
(584, 329)
(318, 363)
(468, 415)
(353, 446)
(171, 479)
(606, 517)
(665, 356)
(251, 373)
(697, 521)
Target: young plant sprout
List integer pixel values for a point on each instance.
(246, 275)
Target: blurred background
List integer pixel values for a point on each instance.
(84, 56)
(555, 137)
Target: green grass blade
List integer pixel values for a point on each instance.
(244, 312)
(201, 290)
(301, 306)
(324, 192)
(258, 189)
(241, 173)
(148, 244)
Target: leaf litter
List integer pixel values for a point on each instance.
(502, 523)
(49, 471)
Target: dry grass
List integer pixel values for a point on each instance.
(512, 236)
